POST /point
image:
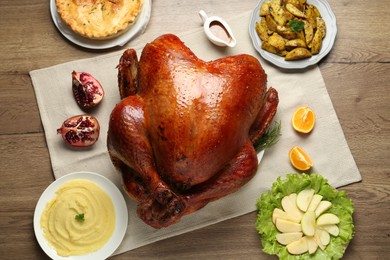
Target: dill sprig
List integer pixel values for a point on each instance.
(270, 137)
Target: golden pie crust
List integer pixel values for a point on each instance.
(99, 19)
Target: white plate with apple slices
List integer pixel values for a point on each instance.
(303, 215)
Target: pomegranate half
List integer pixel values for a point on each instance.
(80, 131)
(87, 91)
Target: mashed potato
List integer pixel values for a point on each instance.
(80, 219)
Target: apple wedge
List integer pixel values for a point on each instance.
(327, 219)
(278, 213)
(331, 229)
(322, 207)
(323, 236)
(315, 201)
(304, 198)
(308, 223)
(317, 238)
(298, 247)
(286, 226)
(290, 206)
(312, 245)
(287, 238)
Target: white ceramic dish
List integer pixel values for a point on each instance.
(120, 208)
(223, 25)
(327, 44)
(139, 26)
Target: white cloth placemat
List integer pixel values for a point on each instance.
(326, 145)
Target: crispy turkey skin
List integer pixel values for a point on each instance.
(183, 134)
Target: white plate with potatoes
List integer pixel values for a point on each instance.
(281, 56)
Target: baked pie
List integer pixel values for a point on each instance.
(99, 19)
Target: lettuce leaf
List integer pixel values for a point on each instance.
(341, 207)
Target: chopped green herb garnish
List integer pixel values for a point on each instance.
(296, 25)
(79, 217)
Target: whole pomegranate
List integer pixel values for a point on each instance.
(80, 131)
(87, 91)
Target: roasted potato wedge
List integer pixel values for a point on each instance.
(295, 11)
(268, 47)
(301, 35)
(264, 9)
(315, 10)
(311, 15)
(277, 41)
(278, 13)
(309, 33)
(286, 32)
(321, 26)
(317, 42)
(289, 16)
(291, 44)
(277, 2)
(262, 29)
(298, 54)
(295, 3)
(271, 24)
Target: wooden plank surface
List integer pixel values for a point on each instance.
(356, 74)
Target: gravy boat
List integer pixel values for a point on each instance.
(217, 30)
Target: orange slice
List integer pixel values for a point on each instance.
(303, 119)
(299, 159)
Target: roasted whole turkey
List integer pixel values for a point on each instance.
(183, 134)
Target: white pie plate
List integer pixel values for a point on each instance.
(138, 27)
(121, 214)
(327, 44)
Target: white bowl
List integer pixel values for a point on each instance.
(120, 208)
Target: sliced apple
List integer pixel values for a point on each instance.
(304, 198)
(323, 236)
(278, 213)
(317, 238)
(298, 247)
(290, 207)
(322, 207)
(286, 226)
(312, 245)
(331, 229)
(327, 219)
(287, 238)
(315, 201)
(308, 223)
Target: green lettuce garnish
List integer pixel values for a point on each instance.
(341, 207)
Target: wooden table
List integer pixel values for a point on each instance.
(356, 73)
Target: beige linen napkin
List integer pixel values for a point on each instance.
(326, 144)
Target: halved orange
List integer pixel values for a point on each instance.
(303, 119)
(299, 159)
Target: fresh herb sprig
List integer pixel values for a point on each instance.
(296, 25)
(270, 137)
(80, 218)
